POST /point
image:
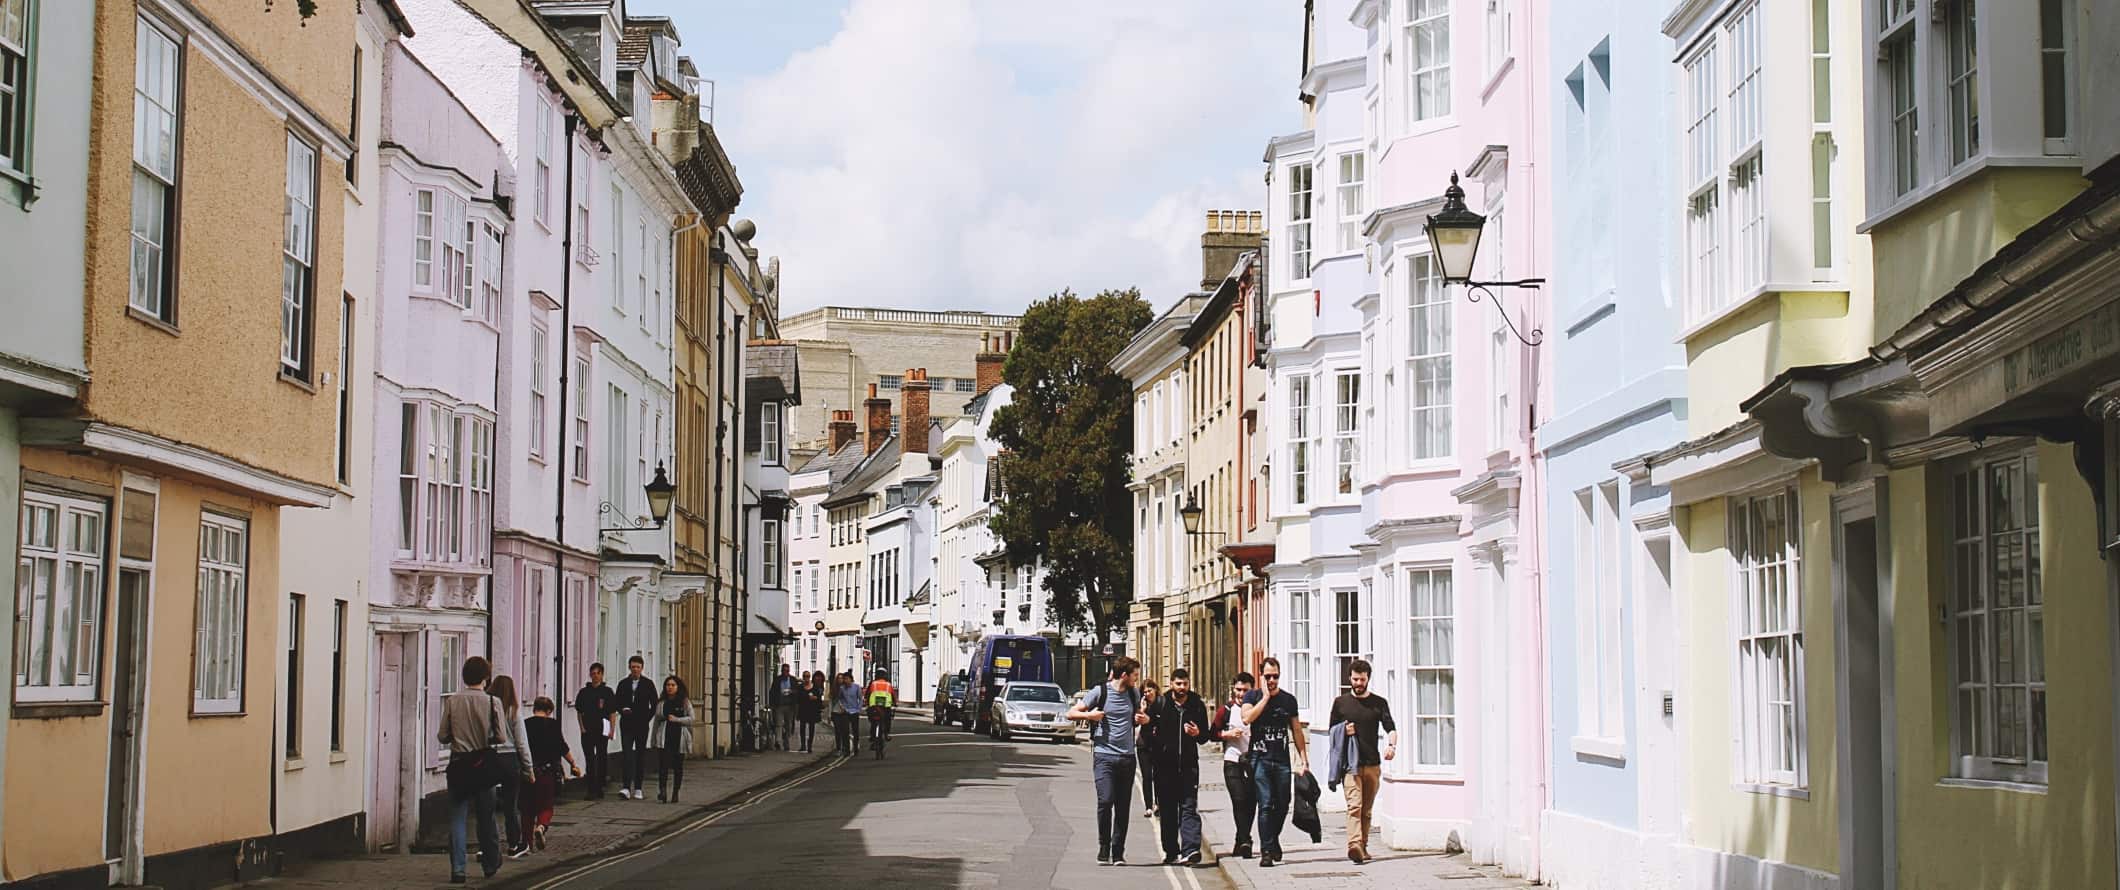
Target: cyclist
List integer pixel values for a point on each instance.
(881, 698)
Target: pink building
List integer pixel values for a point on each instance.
(1402, 411)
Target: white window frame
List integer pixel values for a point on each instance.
(1430, 355)
(1302, 430)
(220, 618)
(540, 344)
(69, 536)
(425, 209)
(542, 172)
(1431, 659)
(1600, 632)
(618, 408)
(1961, 85)
(1767, 623)
(1352, 195)
(1347, 431)
(1302, 642)
(488, 305)
(1825, 228)
(1301, 195)
(1985, 614)
(1498, 25)
(618, 248)
(1350, 633)
(1705, 289)
(479, 512)
(1430, 19)
(769, 551)
(298, 260)
(410, 449)
(2055, 54)
(769, 433)
(157, 167)
(18, 103)
(580, 470)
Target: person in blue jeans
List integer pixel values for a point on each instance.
(1275, 728)
(1113, 711)
(471, 727)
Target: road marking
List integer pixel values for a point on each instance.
(702, 822)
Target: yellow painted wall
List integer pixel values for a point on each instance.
(1729, 361)
(1991, 838)
(214, 382)
(1722, 817)
(1927, 250)
(208, 779)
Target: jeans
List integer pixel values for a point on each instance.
(479, 803)
(809, 734)
(596, 748)
(1114, 774)
(842, 731)
(1271, 776)
(634, 740)
(670, 775)
(508, 799)
(1180, 812)
(1243, 796)
(783, 723)
(1360, 787)
(1148, 779)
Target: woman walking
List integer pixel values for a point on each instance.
(513, 748)
(810, 709)
(548, 746)
(1144, 744)
(671, 729)
(471, 727)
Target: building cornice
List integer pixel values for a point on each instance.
(191, 460)
(1365, 13)
(1319, 76)
(1385, 219)
(1280, 146)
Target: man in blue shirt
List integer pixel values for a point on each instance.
(1113, 710)
(848, 711)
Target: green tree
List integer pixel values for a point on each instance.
(1066, 434)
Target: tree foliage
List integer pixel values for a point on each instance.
(1066, 433)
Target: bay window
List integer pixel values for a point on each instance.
(1353, 200)
(1296, 673)
(1428, 50)
(1432, 625)
(1347, 430)
(1299, 208)
(1428, 358)
(1300, 455)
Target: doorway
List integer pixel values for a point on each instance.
(1656, 652)
(391, 798)
(122, 845)
(1861, 614)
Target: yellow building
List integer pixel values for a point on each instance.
(142, 732)
(1900, 626)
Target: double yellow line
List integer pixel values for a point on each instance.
(695, 825)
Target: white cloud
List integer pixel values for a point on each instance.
(981, 154)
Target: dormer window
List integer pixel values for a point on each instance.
(665, 57)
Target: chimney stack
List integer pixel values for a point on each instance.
(879, 419)
(913, 433)
(842, 429)
(992, 355)
(1228, 235)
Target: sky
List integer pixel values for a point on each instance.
(982, 154)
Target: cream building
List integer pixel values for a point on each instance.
(1154, 362)
(846, 349)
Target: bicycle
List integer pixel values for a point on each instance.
(760, 727)
(879, 728)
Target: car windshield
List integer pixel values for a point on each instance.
(1034, 693)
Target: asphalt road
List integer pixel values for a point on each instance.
(944, 808)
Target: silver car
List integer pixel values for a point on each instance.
(1031, 709)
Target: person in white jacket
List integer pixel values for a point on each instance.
(671, 730)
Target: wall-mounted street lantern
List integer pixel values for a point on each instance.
(660, 492)
(1454, 235)
(1191, 513)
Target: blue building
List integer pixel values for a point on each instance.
(1619, 387)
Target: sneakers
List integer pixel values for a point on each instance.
(1170, 859)
(1191, 859)
(1104, 857)
(1268, 859)
(1242, 850)
(519, 852)
(1118, 859)
(538, 839)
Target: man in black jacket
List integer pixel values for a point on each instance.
(593, 706)
(1179, 725)
(636, 705)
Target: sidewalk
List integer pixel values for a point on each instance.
(1325, 864)
(581, 830)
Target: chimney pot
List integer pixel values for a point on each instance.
(913, 433)
(841, 429)
(879, 419)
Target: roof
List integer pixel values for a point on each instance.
(836, 465)
(638, 39)
(874, 467)
(709, 177)
(1219, 303)
(771, 371)
(396, 16)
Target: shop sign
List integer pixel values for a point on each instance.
(2089, 338)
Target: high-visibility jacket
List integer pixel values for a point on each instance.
(881, 692)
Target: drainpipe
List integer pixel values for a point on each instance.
(566, 368)
(716, 261)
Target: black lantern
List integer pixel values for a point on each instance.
(1454, 235)
(1191, 513)
(660, 492)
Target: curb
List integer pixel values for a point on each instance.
(526, 877)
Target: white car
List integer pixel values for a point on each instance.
(1031, 709)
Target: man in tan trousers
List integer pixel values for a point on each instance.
(1360, 715)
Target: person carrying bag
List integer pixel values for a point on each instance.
(471, 727)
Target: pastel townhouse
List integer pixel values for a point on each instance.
(1910, 586)
(772, 387)
(1613, 814)
(1427, 561)
(832, 549)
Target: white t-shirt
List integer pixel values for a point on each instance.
(1233, 751)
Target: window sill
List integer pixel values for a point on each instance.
(289, 378)
(291, 764)
(338, 757)
(1789, 791)
(1421, 128)
(1600, 306)
(197, 714)
(1612, 751)
(54, 710)
(152, 321)
(1452, 779)
(537, 459)
(1923, 194)
(1755, 297)
(1991, 785)
(21, 187)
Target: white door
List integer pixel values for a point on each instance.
(1656, 657)
(389, 698)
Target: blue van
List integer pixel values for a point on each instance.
(999, 659)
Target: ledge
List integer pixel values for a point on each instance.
(1789, 791)
(57, 710)
(1991, 785)
(1612, 751)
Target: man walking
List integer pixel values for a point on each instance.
(781, 698)
(1275, 728)
(1236, 763)
(1362, 713)
(846, 713)
(1178, 724)
(636, 706)
(1113, 710)
(593, 707)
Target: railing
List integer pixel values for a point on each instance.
(911, 316)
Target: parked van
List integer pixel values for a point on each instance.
(999, 659)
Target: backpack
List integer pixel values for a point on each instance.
(1096, 729)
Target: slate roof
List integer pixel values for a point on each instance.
(771, 371)
(873, 468)
(836, 464)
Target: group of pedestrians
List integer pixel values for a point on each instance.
(848, 699)
(798, 703)
(506, 766)
(1265, 757)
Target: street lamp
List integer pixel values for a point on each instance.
(660, 492)
(1191, 513)
(1454, 235)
